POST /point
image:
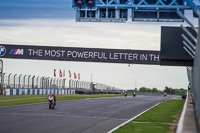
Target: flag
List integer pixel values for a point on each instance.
(70, 74)
(63, 73)
(60, 74)
(54, 72)
(75, 76)
(79, 76)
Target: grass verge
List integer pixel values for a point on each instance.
(160, 119)
(144, 128)
(30, 99)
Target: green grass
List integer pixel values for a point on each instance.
(30, 99)
(156, 118)
(164, 112)
(144, 128)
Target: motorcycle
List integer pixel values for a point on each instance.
(165, 94)
(125, 94)
(134, 94)
(51, 102)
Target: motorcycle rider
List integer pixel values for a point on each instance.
(54, 99)
(134, 93)
(165, 94)
(125, 93)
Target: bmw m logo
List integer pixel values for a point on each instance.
(2, 50)
(17, 51)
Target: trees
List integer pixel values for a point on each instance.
(154, 90)
(168, 90)
(180, 91)
(144, 89)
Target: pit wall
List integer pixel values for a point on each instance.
(37, 91)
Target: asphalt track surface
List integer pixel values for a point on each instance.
(97, 115)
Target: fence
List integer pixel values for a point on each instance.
(84, 87)
(36, 82)
(31, 82)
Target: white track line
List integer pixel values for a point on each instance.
(131, 119)
(180, 123)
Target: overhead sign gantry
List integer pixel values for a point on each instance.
(121, 10)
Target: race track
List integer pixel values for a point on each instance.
(75, 116)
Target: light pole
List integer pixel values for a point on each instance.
(37, 81)
(76, 85)
(14, 79)
(28, 80)
(9, 80)
(24, 81)
(33, 82)
(19, 81)
(70, 83)
(57, 83)
(63, 84)
(41, 82)
(48, 82)
(51, 83)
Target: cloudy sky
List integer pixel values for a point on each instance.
(52, 23)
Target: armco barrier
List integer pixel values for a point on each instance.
(37, 91)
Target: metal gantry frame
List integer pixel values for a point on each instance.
(116, 4)
(141, 3)
(190, 47)
(119, 10)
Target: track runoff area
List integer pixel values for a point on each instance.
(97, 115)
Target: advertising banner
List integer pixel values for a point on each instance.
(80, 54)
